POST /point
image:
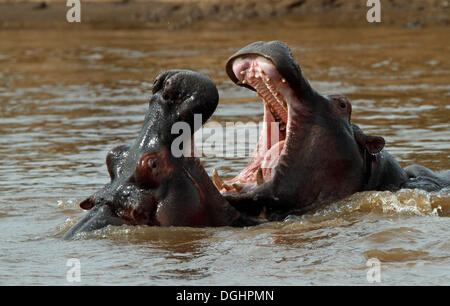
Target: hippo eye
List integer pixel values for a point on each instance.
(146, 174)
(342, 104)
(153, 164)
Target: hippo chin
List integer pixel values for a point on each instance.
(318, 155)
(149, 186)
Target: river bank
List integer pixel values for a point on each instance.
(174, 14)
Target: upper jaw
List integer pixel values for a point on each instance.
(261, 74)
(279, 54)
(271, 71)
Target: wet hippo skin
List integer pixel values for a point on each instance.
(318, 156)
(149, 186)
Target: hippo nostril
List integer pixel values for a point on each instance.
(169, 92)
(162, 80)
(157, 83)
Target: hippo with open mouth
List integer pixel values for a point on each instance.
(309, 153)
(149, 186)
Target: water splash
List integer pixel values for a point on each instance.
(406, 202)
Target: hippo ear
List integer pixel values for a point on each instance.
(87, 204)
(373, 144)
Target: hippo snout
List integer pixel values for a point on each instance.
(98, 217)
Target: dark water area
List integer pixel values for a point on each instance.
(68, 97)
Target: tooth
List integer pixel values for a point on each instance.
(242, 72)
(267, 79)
(217, 180)
(237, 186)
(259, 177)
(227, 187)
(283, 80)
(263, 214)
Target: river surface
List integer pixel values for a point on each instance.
(67, 97)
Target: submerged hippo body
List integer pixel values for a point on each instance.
(319, 155)
(149, 186)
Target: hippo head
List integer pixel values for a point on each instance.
(309, 151)
(149, 186)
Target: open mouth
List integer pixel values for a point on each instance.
(260, 74)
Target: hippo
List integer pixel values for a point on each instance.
(149, 185)
(310, 152)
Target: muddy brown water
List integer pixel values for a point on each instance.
(67, 97)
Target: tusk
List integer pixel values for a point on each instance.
(259, 177)
(263, 214)
(217, 180)
(227, 187)
(237, 186)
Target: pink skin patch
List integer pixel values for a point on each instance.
(261, 74)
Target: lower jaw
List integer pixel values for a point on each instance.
(261, 167)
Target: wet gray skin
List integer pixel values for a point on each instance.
(149, 186)
(324, 157)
